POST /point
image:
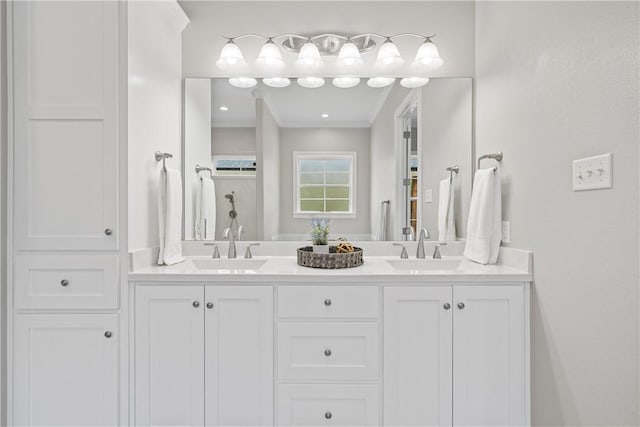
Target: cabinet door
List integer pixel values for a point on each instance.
(66, 370)
(239, 356)
(417, 356)
(489, 356)
(169, 353)
(65, 124)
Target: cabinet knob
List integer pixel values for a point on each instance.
(64, 282)
(446, 306)
(108, 232)
(327, 352)
(196, 304)
(328, 415)
(108, 334)
(209, 305)
(460, 305)
(327, 302)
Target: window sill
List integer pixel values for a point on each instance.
(348, 215)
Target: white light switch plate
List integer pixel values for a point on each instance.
(593, 173)
(428, 195)
(506, 232)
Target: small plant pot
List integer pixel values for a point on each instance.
(321, 249)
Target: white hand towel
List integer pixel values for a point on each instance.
(446, 214)
(207, 213)
(170, 217)
(484, 227)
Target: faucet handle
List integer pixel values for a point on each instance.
(436, 252)
(216, 252)
(247, 252)
(240, 231)
(403, 254)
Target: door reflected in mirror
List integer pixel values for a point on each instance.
(373, 160)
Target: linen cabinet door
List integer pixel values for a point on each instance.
(169, 356)
(489, 378)
(65, 125)
(239, 356)
(66, 370)
(417, 356)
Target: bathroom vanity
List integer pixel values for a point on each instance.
(393, 342)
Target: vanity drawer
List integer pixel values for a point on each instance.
(66, 281)
(328, 351)
(328, 404)
(328, 302)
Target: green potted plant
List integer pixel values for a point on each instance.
(320, 235)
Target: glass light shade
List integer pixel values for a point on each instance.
(349, 56)
(311, 82)
(346, 82)
(414, 82)
(270, 56)
(243, 82)
(427, 57)
(377, 82)
(276, 81)
(231, 57)
(389, 55)
(309, 57)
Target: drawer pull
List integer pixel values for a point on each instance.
(447, 306)
(327, 302)
(461, 305)
(108, 334)
(327, 352)
(196, 304)
(209, 305)
(328, 415)
(64, 282)
(108, 231)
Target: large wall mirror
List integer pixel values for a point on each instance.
(381, 163)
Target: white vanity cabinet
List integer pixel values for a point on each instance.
(456, 355)
(203, 355)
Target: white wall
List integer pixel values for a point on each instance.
(3, 209)
(267, 172)
(197, 145)
(331, 140)
(453, 21)
(447, 140)
(557, 81)
(155, 109)
(233, 140)
(383, 163)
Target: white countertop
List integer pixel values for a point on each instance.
(284, 269)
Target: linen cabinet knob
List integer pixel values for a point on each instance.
(196, 304)
(108, 334)
(446, 306)
(327, 302)
(209, 305)
(327, 352)
(108, 232)
(328, 415)
(461, 305)
(64, 282)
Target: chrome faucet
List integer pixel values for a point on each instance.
(424, 234)
(229, 234)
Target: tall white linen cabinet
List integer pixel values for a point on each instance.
(67, 297)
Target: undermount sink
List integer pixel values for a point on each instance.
(228, 264)
(427, 264)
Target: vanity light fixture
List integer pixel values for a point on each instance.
(243, 82)
(414, 82)
(346, 82)
(310, 49)
(276, 81)
(311, 82)
(224, 108)
(378, 82)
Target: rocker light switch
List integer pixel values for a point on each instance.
(593, 173)
(428, 195)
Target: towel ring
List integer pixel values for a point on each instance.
(495, 156)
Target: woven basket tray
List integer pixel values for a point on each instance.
(308, 258)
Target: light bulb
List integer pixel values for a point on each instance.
(243, 82)
(346, 82)
(349, 56)
(270, 57)
(309, 57)
(427, 57)
(276, 81)
(377, 82)
(414, 82)
(388, 56)
(230, 57)
(311, 82)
